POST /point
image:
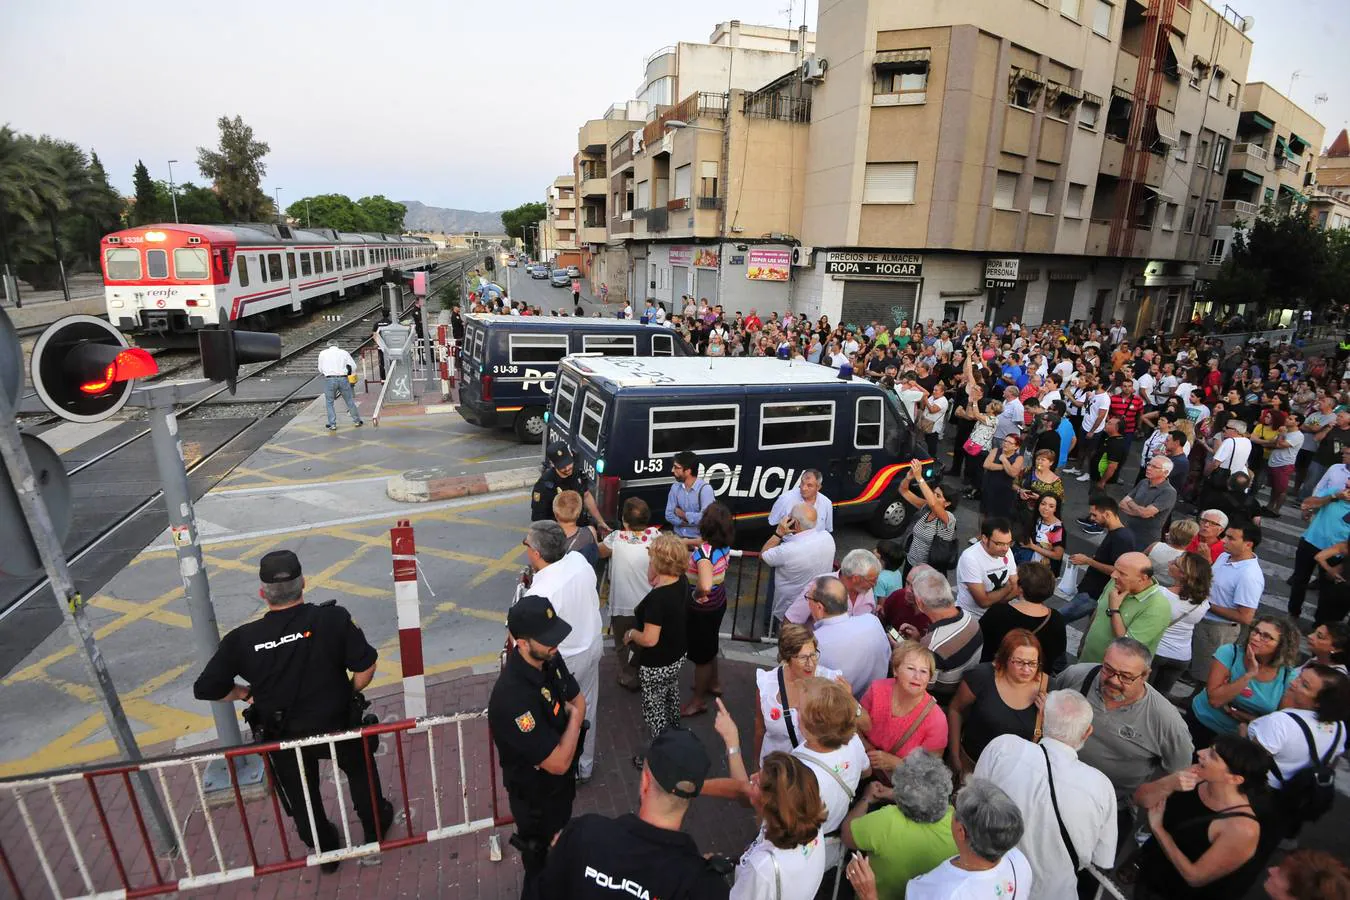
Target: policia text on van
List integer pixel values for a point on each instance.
(755, 424)
(507, 364)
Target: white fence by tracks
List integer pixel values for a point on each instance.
(82, 833)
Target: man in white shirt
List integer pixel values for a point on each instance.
(986, 573)
(335, 364)
(807, 491)
(1059, 795)
(1094, 425)
(855, 645)
(1013, 418)
(568, 581)
(1234, 451)
(987, 818)
(1234, 596)
(797, 552)
(859, 571)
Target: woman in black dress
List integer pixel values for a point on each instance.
(1003, 469)
(659, 631)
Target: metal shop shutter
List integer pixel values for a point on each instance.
(889, 302)
(679, 282)
(1059, 301)
(705, 284)
(1013, 303)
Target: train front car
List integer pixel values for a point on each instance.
(167, 281)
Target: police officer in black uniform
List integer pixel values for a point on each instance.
(560, 474)
(644, 854)
(537, 714)
(295, 660)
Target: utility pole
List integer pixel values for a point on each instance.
(173, 192)
(276, 194)
(308, 220)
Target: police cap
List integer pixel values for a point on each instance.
(679, 762)
(279, 566)
(559, 455)
(533, 616)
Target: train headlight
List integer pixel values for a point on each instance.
(155, 236)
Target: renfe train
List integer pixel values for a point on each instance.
(170, 280)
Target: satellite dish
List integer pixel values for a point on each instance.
(1247, 23)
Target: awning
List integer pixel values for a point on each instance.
(1200, 61)
(1258, 120)
(901, 57)
(1089, 97)
(1067, 91)
(1166, 198)
(1253, 177)
(1122, 94)
(1280, 149)
(1167, 126)
(1028, 75)
(1302, 144)
(1178, 51)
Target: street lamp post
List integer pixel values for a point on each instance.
(308, 220)
(276, 195)
(173, 193)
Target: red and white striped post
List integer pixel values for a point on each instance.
(443, 355)
(404, 550)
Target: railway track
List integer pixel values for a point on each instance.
(353, 333)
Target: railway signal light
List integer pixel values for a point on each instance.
(21, 557)
(224, 350)
(83, 369)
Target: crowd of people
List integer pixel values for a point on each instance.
(930, 730)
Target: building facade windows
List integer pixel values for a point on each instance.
(1073, 201)
(1101, 18)
(1005, 190)
(1220, 153)
(890, 182)
(1088, 112)
(1070, 8)
(1040, 195)
(1183, 146)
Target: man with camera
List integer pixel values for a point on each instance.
(537, 714)
(295, 660)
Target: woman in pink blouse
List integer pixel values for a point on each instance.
(900, 713)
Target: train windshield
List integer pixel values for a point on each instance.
(190, 264)
(122, 263)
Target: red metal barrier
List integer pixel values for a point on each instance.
(93, 816)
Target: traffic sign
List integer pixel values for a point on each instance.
(84, 370)
(21, 556)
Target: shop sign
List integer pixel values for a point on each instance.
(705, 258)
(681, 256)
(1001, 274)
(769, 265)
(874, 265)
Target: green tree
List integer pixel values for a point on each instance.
(147, 208)
(236, 169)
(198, 205)
(384, 214)
(517, 222)
(1279, 260)
(330, 211)
(29, 180)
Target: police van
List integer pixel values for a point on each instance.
(507, 364)
(755, 424)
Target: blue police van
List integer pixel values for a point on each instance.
(755, 424)
(508, 364)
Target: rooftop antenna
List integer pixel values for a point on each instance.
(1292, 78)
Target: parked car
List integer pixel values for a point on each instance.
(573, 272)
(560, 278)
(512, 262)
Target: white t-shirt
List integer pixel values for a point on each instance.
(848, 762)
(910, 398)
(1285, 456)
(838, 359)
(1233, 453)
(1051, 396)
(775, 717)
(628, 568)
(1285, 740)
(1144, 386)
(796, 876)
(788, 500)
(1176, 640)
(1064, 369)
(1098, 406)
(939, 418)
(1011, 879)
(1167, 385)
(976, 566)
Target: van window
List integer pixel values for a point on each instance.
(867, 426)
(537, 348)
(796, 424)
(663, 345)
(702, 429)
(567, 396)
(592, 415)
(478, 345)
(610, 344)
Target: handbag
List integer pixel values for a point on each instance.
(787, 713)
(942, 553)
(914, 726)
(1068, 582)
(981, 436)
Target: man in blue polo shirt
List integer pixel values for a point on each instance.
(1330, 504)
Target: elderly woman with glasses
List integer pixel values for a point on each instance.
(780, 691)
(1246, 681)
(1209, 540)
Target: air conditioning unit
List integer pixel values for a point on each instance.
(813, 69)
(802, 256)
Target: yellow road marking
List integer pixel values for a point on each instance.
(163, 617)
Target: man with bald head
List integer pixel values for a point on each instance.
(797, 552)
(1131, 605)
(857, 646)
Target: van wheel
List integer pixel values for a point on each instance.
(530, 425)
(888, 519)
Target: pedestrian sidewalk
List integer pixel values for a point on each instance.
(457, 867)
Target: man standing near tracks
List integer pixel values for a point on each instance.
(537, 714)
(295, 660)
(338, 369)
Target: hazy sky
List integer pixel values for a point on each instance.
(473, 105)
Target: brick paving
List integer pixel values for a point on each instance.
(454, 867)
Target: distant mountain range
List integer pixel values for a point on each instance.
(437, 219)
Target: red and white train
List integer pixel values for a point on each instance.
(170, 280)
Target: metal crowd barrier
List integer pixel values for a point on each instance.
(87, 835)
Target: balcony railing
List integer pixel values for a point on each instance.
(658, 219)
(1256, 151)
(697, 105)
(1288, 164)
(709, 202)
(677, 203)
(624, 155)
(778, 106)
(1241, 207)
(640, 213)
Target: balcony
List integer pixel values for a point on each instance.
(595, 187)
(621, 226)
(640, 213)
(1241, 207)
(1113, 157)
(1289, 165)
(1255, 151)
(593, 234)
(658, 219)
(677, 204)
(1127, 70)
(709, 202)
(703, 104)
(593, 137)
(565, 202)
(623, 155)
(1099, 237)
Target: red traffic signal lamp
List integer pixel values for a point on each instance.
(83, 369)
(224, 350)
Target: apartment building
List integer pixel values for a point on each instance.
(1271, 164)
(736, 56)
(560, 226)
(601, 263)
(1045, 159)
(1329, 195)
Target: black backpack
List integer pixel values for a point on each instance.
(1309, 793)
